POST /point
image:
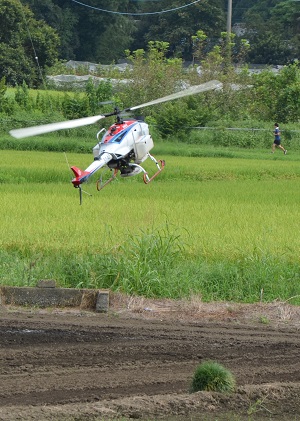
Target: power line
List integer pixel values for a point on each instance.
(32, 45)
(35, 54)
(135, 14)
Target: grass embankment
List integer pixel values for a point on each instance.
(223, 228)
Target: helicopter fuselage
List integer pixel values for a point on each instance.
(124, 138)
(123, 147)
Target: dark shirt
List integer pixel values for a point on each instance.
(277, 133)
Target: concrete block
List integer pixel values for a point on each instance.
(102, 303)
(41, 297)
(85, 299)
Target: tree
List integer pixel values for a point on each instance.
(273, 31)
(102, 30)
(277, 95)
(89, 33)
(286, 18)
(103, 36)
(198, 43)
(153, 75)
(60, 16)
(25, 43)
(177, 27)
(239, 8)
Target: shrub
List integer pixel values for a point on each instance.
(211, 376)
(175, 118)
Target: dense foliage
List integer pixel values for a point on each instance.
(245, 98)
(27, 45)
(87, 34)
(35, 32)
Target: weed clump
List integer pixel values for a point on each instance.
(213, 377)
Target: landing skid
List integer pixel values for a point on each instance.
(160, 166)
(100, 184)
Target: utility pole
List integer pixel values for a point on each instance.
(229, 17)
(228, 30)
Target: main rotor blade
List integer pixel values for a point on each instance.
(212, 84)
(52, 127)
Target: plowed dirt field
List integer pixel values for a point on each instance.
(137, 361)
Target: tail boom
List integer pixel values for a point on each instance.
(82, 176)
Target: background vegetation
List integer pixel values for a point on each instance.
(246, 101)
(35, 35)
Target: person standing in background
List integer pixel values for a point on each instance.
(277, 140)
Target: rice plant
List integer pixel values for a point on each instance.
(225, 229)
(212, 377)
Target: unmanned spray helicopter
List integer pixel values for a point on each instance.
(123, 147)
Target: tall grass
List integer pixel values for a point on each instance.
(226, 229)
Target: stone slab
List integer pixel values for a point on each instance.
(55, 297)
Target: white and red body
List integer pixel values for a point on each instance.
(123, 147)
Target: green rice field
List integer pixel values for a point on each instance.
(218, 227)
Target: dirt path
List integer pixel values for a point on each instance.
(138, 361)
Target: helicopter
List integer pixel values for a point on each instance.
(123, 147)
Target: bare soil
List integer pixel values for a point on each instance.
(137, 361)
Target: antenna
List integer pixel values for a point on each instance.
(35, 54)
(66, 158)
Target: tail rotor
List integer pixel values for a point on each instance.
(79, 186)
